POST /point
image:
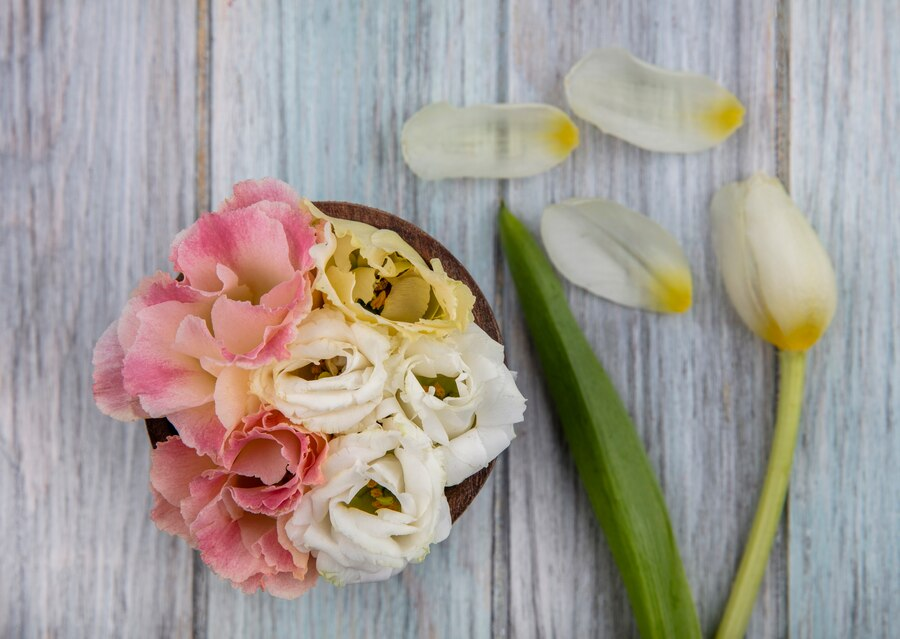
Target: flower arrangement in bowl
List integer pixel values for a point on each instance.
(320, 398)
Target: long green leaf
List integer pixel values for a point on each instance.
(607, 450)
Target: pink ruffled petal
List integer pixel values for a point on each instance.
(242, 326)
(270, 500)
(165, 380)
(260, 456)
(304, 563)
(167, 517)
(277, 325)
(248, 241)
(151, 291)
(272, 552)
(299, 224)
(293, 448)
(302, 232)
(233, 398)
(286, 586)
(205, 488)
(274, 347)
(266, 189)
(109, 386)
(313, 458)
(172, 468)
(289, 294)
(194, 339)
(221, 544)
(200, 429)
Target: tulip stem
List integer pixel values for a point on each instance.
(771, 501)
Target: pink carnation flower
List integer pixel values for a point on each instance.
(184, 349)
(234, 512)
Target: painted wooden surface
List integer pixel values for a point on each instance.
(96, 174)
(120, 121)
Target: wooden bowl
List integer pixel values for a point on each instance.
(461, 495)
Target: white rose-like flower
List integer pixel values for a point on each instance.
(335, 376)
(462, 395)
(382, 504)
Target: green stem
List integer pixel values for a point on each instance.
(771, 501)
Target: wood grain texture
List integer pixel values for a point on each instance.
(699, 386)
(845, 173)
(118, 120)
(96, 175)
(316, 94)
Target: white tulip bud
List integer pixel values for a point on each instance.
(776, 272)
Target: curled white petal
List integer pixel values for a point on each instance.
(352, 545)
(776, 272)
(472, 422)
(618, 254)
(487, 140)
(328, 401)
(651, 107)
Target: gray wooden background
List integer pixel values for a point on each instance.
(121, 120)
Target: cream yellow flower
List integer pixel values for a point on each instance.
(373, 275)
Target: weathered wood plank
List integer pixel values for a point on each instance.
(845, 173)
(316, 95)
(698, 385)
(96, 159)
(97, 144)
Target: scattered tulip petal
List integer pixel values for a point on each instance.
(651, 107)
(487, 141)
(618, 254)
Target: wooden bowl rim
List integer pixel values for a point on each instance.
(460, 496)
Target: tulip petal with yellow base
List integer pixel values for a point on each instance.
(782, 284)
(618, 254)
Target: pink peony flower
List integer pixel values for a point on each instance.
(184, 349)
(234, 512)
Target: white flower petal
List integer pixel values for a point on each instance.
(776, 272)
(651, 107)
(487, 140)
(341, 402)
(474, 424)
(618, 254)
(352, 545)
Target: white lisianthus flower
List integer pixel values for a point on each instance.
(381, 506)
(334, 377)
(462, 395)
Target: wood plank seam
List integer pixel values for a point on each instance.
(501, 585)
(783, 172)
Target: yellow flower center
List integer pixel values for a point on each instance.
(373, 497)
(443, 385)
